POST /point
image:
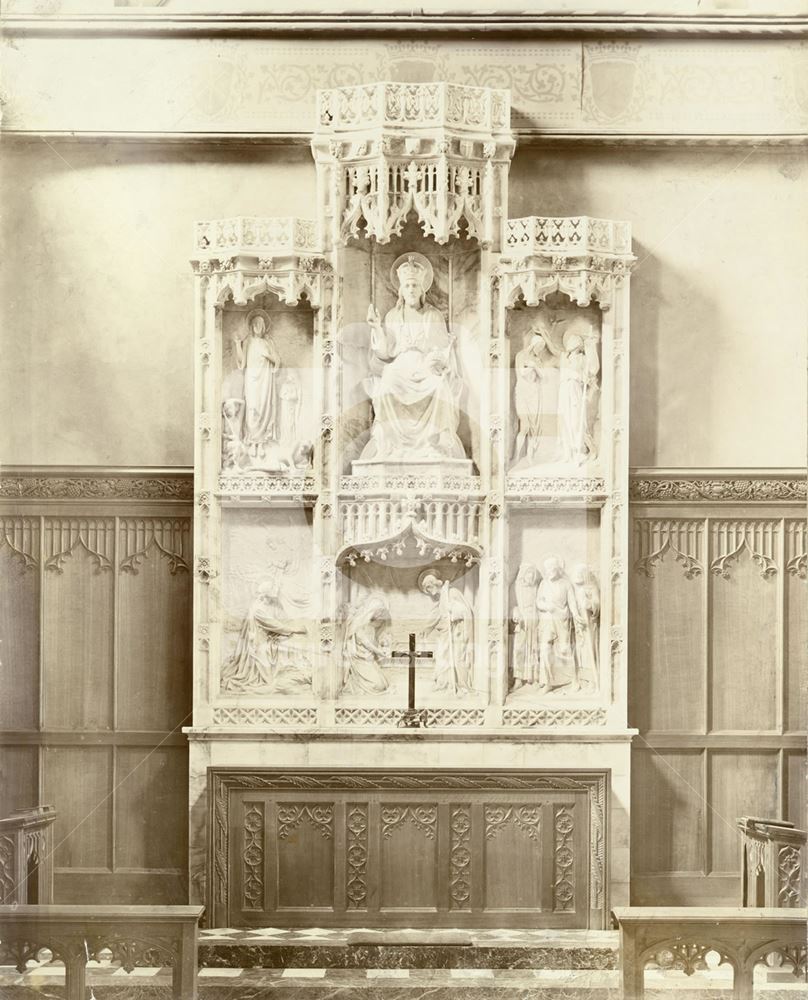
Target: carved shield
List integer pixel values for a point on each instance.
(612, 83)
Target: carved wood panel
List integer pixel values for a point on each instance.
(95, 624)
(719, 626)
(387, 848)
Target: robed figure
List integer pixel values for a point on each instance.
(587, 633)
(577, 387)
(526, 627)
(416, 386)
(364, 649)
(453, 626)
(531, 366)
(258, 358)
(559, 618)
(260, 661)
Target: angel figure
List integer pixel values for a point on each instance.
(587, 630)
(453, 624)
(366, 647)
(526, 622)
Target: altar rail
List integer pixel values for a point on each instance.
(26, 856)
(135, 935)
(680, 938)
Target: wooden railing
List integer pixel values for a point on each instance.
(135, 935)
(26, 856)
(773, 865)
(681, 938)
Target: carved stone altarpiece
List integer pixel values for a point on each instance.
(411, 416)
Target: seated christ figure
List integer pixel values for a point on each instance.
(416, 386)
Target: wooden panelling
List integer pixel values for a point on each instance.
(390, 848)
(78, 782)
(744, 646)
(796, 652)
(18, 778)
(150, 831)
(740, 784)
(19, 631)
(98, 564)
(154, 651)
(667, 633)
(795, 778)
(667, 789)
(77, 662)
(731, 623)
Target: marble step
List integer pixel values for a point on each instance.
(401, 949)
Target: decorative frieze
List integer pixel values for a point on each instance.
(60, 485)
(531, 718)
(267, 716)
(683, 487)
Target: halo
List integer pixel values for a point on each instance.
(426, 573)
(420, 259)
(258, 312)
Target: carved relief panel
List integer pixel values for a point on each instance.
(423, 404)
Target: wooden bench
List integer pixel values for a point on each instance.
(136, 936)
(680, 937)
(26, 856)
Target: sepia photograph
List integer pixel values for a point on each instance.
(404, 500)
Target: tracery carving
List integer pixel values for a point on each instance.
(526, 818)
(320, 817)
(95, 535)
(729, 539)
(171, 537)
(460, 858)
(797, 548)
(789, 869)
(292, 716)
(563, 858)
(422, 817)
(8, 873)
(21, 534)
(682, 537)
(356, 888)
(539, 717)
(689, 957)
(252, 875)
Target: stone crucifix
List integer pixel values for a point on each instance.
(412, 719)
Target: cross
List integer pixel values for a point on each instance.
(412, 719)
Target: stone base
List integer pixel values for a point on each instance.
(346, 949)
(431, 470)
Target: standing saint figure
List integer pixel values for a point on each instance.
(364, 647)
(577, 382)
(558, 618)
(453, 624)
(258, 661)
(530, 365)
(291, 403)
(587, 632)
(526, 622)
(416, 395)
(257, 357)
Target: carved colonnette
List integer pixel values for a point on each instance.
(357, 824)
(683, 938)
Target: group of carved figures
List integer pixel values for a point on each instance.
(261, 428)
(556, 627)
(576, 366)
(366, 646)
(266, 658)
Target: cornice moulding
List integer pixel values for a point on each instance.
(397, 23)
(526, 138)
(718, 485)
(100, 483)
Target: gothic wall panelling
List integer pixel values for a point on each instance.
(96, 629)
(718, 633)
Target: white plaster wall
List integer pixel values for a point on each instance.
(96, 299)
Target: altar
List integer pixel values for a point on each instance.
(411, 416)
